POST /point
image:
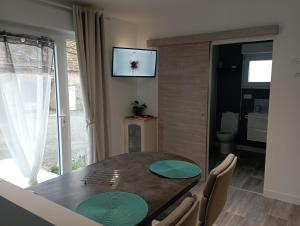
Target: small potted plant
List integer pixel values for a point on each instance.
(137, 108)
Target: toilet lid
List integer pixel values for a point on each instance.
(229, 122)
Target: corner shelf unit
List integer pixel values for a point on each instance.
(140, 134)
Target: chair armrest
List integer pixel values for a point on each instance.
(155, 222)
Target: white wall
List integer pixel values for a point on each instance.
(122, 91)
(283, 152)
(147, 92)
(29, 12)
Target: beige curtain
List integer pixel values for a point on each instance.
(88, 24)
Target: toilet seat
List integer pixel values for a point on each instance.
(229, 128)
(225, 136)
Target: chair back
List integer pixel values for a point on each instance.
(215, 191)
(186, 214)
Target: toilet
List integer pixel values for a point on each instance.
(229, 128)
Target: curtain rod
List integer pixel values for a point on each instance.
(57, 4)
(30, 37)
(68, 7)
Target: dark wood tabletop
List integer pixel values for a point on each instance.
(126, 172)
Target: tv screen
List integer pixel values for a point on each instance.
(129, 62)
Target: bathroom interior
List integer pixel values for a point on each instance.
(240, 89)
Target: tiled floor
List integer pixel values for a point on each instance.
(249, 172)
(245, 205)
(244, 208)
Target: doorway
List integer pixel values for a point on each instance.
(239, 103)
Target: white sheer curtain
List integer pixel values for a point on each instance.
(25, 84)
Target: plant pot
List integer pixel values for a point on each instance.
(138, 111)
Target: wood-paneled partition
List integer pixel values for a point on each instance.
(183, 88)
(183, 100)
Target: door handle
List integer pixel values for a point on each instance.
(62, 118)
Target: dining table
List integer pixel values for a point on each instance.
(127, 172)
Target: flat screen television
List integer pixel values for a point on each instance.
(129, 62)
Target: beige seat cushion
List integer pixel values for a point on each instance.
(191, 218)
(215, 172)
(215, 191)
(186, 214)
(192, 211)
(173, 218)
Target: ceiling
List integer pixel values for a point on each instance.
(141, 11)
(189, 16)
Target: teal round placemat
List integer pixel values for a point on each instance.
(114, 209)
(175, 169)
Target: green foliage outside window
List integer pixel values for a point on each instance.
(76, 164)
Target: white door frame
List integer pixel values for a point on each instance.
(64, 137)
(223, 42)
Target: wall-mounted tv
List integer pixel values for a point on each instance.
(129, 62)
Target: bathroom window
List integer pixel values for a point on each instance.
(260, 71)
(257, 70)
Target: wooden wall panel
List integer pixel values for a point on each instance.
(215, 36)
(183, 100)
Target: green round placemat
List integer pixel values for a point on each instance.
(114, 209)
(175, 169)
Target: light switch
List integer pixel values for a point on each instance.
(296, 60)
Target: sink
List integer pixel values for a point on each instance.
(257, 127)
(258, 115)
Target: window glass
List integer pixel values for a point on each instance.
(260, 71)
(79, 138)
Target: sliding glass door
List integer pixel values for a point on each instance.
(79, 139)
(73, 140)
(42, 124)
(52, 147)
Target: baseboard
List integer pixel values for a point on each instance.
(251, 149)
(282, 196)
